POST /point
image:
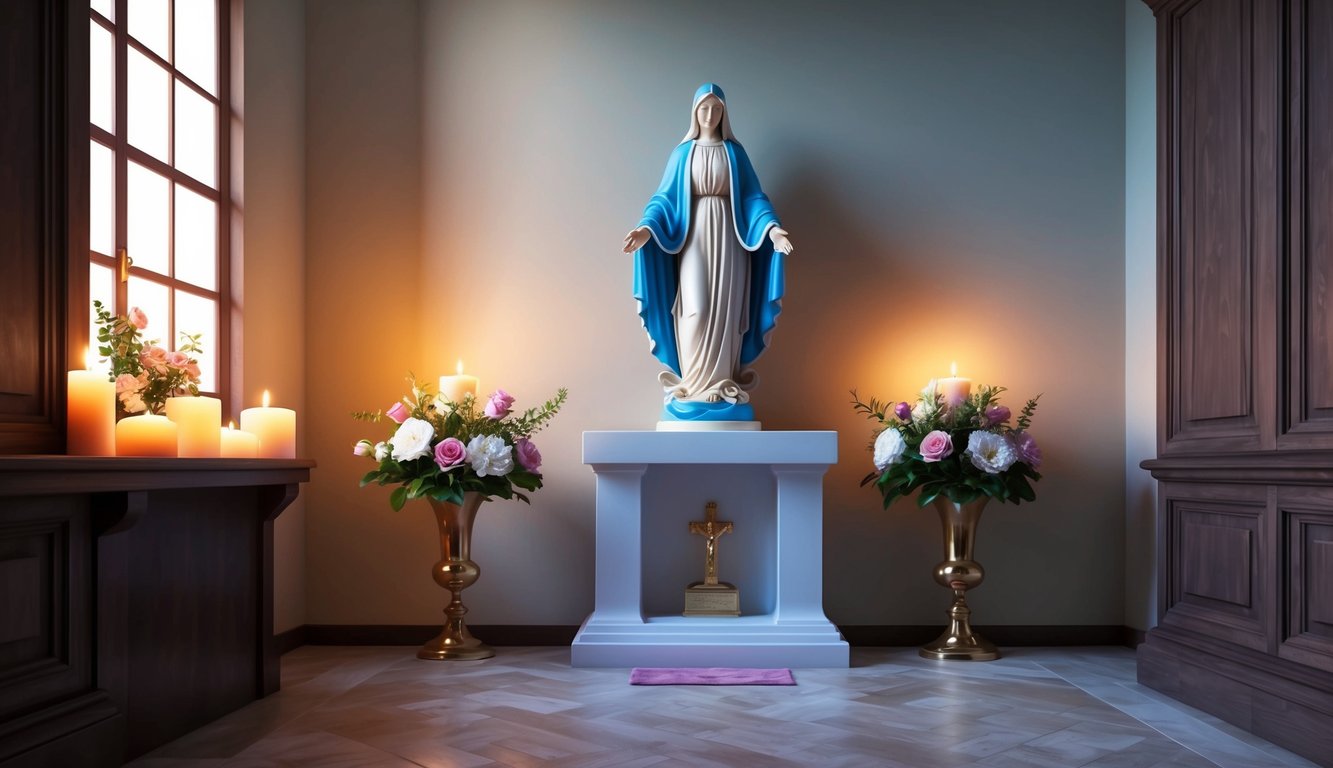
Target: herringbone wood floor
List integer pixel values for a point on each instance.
(344, 707)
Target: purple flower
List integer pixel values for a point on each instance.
(1026, 448)
(528, 455)
(996, 414)
(903, 411)
(449, 453)
(936, 445)
(398, 412)
(498, 404)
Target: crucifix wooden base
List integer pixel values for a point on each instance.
(711, 597)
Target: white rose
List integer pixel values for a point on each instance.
(889, 448)
(490, 456)
(381, 451)
(412, 440)
(990, 452)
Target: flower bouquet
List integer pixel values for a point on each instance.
(442, 449)
(146, 374)
(919, 447)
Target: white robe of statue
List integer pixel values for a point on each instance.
(712, 305)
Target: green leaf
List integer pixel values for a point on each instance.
(398, 498)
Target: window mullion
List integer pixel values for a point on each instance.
(118, 146)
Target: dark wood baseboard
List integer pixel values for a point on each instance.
(553, 634)
(418, 634)
(1284, 702)
(1012, 635)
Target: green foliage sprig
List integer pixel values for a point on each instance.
(145, 373)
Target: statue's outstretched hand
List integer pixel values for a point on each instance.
(636, 238)
(780, 242)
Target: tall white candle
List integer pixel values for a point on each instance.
(199, 426)
(455, 388)
(955, 388)
(90, 413)
(275, 428)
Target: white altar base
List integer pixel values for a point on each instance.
(650, 485)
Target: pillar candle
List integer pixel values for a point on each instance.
(954, 389)
(275, 428)
(90, 414)
(455, 388)
(198, 426)
(146, 435)
(239, 444)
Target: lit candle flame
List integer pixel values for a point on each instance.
(88, 358)
(265, 401)
(231, 425)
(953, 369)
(460, 366)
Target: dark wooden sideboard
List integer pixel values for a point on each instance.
(135, 600)
(1245, 366)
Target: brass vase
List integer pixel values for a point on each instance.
(959, 572)
(456, 572)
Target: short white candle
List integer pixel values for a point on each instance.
(90, 413)
(455, 388)
(275, 428)
(955, 388)
(198, 423)
(145, 435)
(239, 444)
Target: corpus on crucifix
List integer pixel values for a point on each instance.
(711, 597)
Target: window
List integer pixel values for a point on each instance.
(160, 195)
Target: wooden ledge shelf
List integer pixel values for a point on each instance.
(137, 599)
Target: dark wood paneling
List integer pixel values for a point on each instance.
(1221, 202)
(1308, 520)
(1217, 571)
(21, 592)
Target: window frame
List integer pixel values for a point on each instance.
(121, 263)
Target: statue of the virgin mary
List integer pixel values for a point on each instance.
(708, 273)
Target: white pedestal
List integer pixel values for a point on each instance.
(649, 486)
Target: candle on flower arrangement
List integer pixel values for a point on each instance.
(90, 412)
(275, 428)
(238, 444)
(455, 388)
(146, 435)
(198, 421)
(954, 389)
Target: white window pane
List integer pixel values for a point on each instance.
(148, 215)
(195, 314)
(147, 93)
(101, 78)
(105, 7)
(101, 199)
(196, 239)
(196, 134)
(101, 287)
(153, 299)
(196, 42)
(148, 24)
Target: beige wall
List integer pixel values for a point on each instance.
(271, 291)
(953, 180)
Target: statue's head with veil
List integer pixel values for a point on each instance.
(708, 273)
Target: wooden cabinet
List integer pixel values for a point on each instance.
(1245, 353)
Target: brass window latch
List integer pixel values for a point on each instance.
(123, 264)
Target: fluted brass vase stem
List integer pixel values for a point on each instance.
(456, 572)
(959, 572)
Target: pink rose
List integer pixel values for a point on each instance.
(177, 359)
(363, 448)
(499, 404)
(450, 452)
(127, 382)
(936, 445)
(528, 455)
(398, 412)
(154, 357)
(137, 318)
(192, 370)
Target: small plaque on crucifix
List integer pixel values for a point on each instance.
(711, 597)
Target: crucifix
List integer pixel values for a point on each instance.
(711, 597)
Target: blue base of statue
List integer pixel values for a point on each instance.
(688, 410)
